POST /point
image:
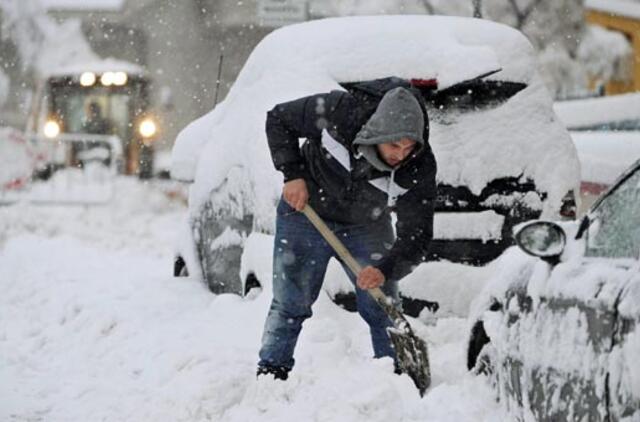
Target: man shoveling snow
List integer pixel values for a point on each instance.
(365, 156)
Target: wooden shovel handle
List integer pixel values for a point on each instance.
(340, 249)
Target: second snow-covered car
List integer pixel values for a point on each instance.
(559, 332)
(503, 157)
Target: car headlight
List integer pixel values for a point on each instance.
(147, 128)
(51, 129)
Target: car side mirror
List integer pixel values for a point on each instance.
(584, 225)
(542, 239)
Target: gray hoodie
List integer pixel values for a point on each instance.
(398, 116)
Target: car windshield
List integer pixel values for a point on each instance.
(615, 228)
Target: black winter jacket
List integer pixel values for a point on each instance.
(345, 187)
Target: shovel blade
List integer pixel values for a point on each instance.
(412, 357)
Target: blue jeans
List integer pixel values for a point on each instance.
(300, 259)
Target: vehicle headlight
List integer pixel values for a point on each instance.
(51, 129)
(120, 78)
(107, 78)
(87, 79)
(147, 128)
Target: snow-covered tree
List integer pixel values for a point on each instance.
(32, 44)
(40, 41)
(21, 22)
(606, 54)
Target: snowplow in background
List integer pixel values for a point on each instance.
(81, 108)
(87, 124)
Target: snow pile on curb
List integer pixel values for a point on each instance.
(16, 161)
(93, 327)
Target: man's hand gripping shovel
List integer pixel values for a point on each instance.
(411, 351)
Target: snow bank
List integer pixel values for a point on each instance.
(590, 112)
(97, 329)
(359, 48)
(605, 155)
(17, 161)
(93, 184)
(136, 214)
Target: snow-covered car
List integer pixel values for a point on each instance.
(603, 156)
(503, 157)
(606, 132)
(558, 328)
(608, 113)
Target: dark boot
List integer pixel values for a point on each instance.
(278, 372)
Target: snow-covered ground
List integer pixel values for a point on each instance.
(94, 328)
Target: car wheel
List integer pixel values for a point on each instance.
(477, 360)
(219, 234)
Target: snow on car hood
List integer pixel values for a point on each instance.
(312, 57)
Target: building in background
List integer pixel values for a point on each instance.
(622, 16)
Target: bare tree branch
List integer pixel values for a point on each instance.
(428, 6)
(530, 8)
(523, 15)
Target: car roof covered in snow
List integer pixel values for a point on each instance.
(317, 56)
(605, 155)
(591, 112)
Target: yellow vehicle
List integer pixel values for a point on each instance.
(81, 108)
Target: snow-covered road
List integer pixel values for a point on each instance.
(94, 328)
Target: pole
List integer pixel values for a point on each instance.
(215, 100)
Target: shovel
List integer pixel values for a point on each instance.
(411, 351)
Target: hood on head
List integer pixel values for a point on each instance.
(398, 116)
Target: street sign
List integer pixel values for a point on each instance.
(275, 13)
